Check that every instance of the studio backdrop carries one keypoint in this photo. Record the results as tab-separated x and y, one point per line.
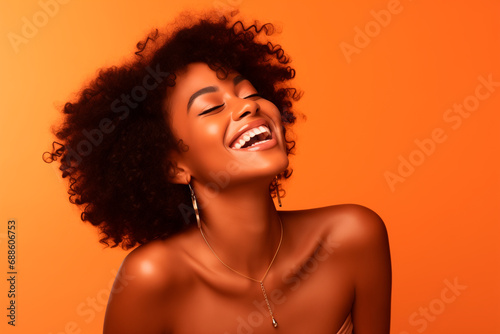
402	101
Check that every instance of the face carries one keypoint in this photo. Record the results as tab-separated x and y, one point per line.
232	133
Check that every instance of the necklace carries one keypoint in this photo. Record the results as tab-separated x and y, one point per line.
261	281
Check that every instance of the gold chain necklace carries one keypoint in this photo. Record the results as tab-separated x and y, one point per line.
274	322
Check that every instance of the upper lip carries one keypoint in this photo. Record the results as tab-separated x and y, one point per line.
248	126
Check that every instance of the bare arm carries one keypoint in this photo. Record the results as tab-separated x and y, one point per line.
371	265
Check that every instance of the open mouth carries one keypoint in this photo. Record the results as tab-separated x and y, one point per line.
253	137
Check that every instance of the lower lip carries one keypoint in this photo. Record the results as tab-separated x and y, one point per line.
259	147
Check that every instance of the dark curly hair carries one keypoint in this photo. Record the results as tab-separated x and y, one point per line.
115	137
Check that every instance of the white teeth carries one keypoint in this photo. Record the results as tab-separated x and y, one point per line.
250	134
239	144
260	142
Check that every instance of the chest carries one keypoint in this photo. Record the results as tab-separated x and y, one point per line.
307	293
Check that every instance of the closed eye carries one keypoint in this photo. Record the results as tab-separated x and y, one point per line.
211	109
219	106
253	95
222	105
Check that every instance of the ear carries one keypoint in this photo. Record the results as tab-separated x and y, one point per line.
177	172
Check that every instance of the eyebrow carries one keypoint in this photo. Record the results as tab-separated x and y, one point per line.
237	79
210	89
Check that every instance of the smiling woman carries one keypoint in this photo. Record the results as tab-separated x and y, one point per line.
188	170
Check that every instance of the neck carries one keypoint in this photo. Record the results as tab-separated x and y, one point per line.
241	225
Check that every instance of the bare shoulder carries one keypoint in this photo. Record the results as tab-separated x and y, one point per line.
154	264
361	225
361	235
350	224
142	289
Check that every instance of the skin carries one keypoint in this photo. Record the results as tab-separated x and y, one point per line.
333	261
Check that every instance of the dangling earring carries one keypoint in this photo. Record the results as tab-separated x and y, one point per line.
278	191
195	206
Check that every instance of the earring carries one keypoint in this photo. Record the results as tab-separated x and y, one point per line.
195	206
278	191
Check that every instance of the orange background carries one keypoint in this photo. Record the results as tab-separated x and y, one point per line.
443	220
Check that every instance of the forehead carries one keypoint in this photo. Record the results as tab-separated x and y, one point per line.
195	76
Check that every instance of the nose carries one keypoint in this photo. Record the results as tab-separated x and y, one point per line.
244	108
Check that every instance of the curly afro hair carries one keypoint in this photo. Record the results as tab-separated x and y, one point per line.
115	136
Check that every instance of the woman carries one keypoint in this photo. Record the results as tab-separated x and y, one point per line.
180	151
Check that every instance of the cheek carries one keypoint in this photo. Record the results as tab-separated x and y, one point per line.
208	135
213	130
272	110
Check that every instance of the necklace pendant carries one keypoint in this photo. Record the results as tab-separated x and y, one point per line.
274	322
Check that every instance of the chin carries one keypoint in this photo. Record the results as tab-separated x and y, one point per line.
286	163
279	166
